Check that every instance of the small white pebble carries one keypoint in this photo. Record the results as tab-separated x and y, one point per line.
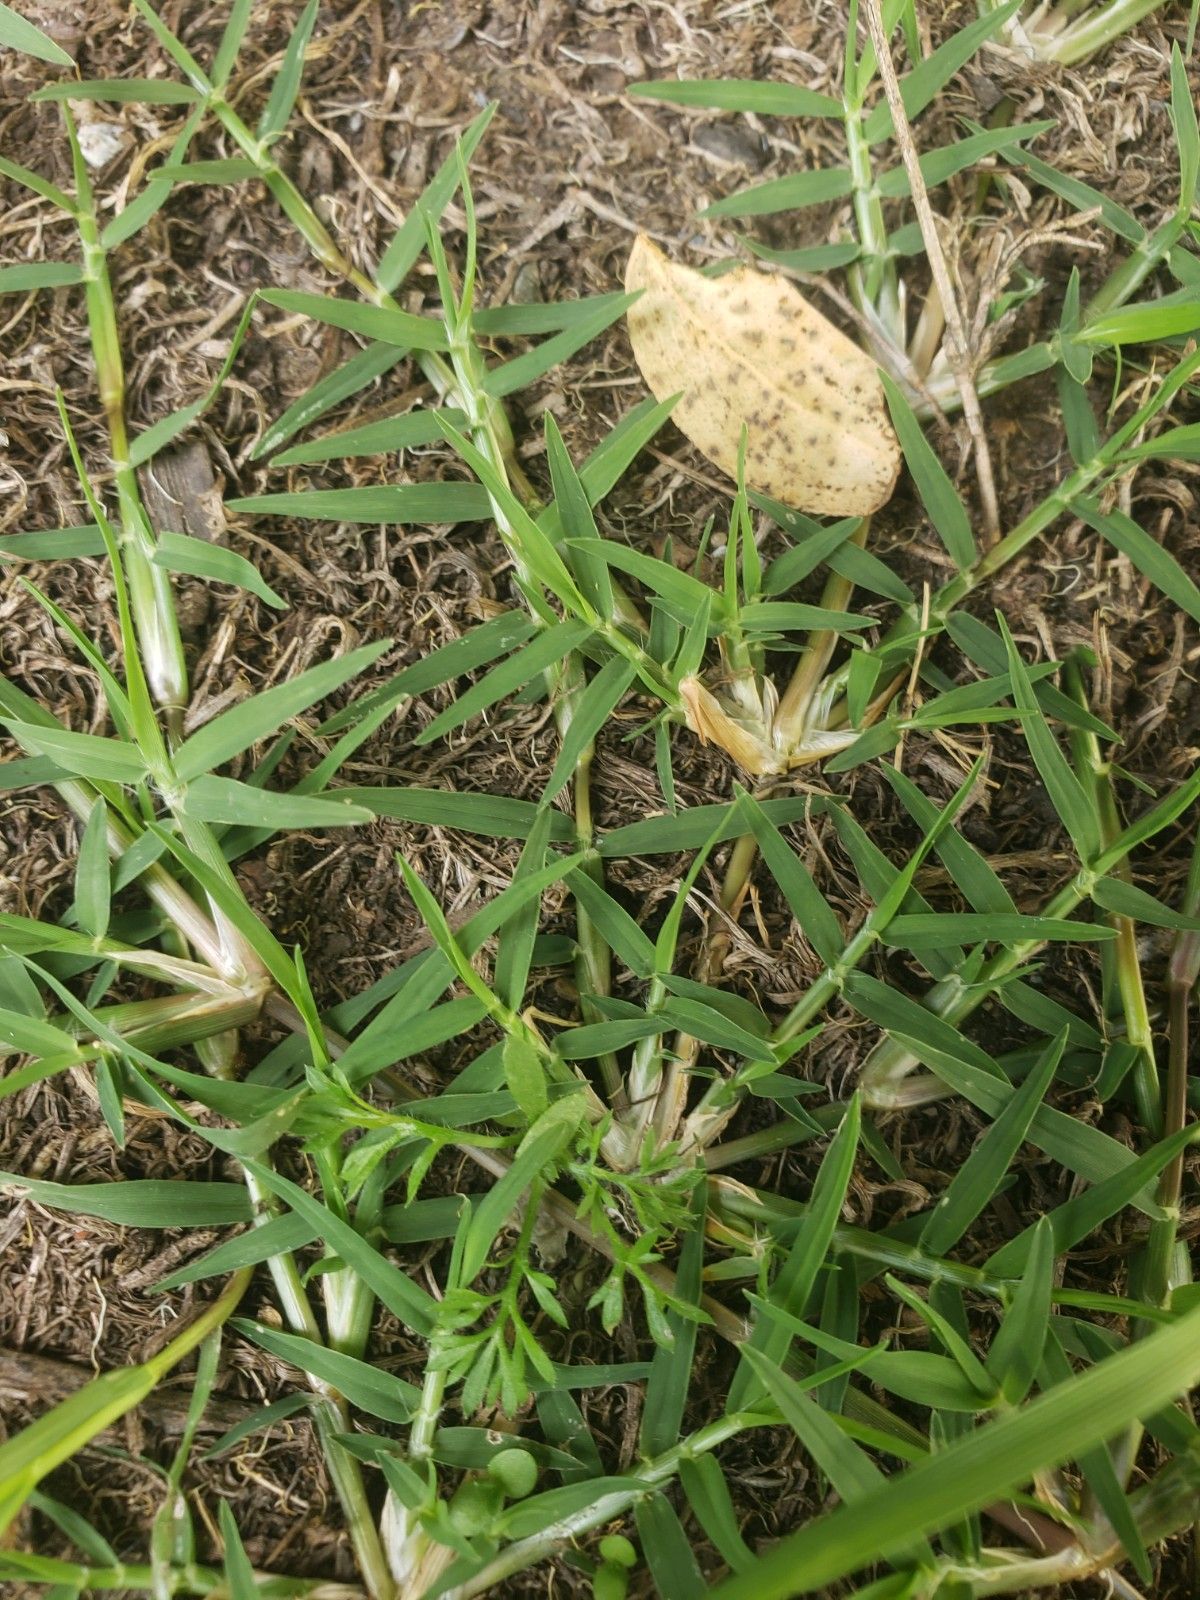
102	142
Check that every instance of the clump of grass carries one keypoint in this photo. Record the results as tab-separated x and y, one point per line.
1030	1399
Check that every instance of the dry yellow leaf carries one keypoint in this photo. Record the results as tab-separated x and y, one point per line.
747	348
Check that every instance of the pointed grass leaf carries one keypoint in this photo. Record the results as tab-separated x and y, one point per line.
371	438
137	91
938	166
1148	556
668	1550
16	33
39	275
276	1236
979	1178
373	1390
591	713
574	520
141	1202
945	510
239	1574
536	657
235	730
1067	795
920	87
818	435
476	648
54	544
1143	323
792	193
535	1156
409	241
1008	928
740	94
624	936
345	380
392	1287
234	169
1126	900
1081	196
213	799
669	1383
986	1465
1077	1145
525	1075
93	887
386	323
797	1275
1016	1352
39	185
708	1495
523	370
694	826
848	1467
1108	1194
494	816
607	464
287	80
388	503
177	552
514	950
971	873
88	755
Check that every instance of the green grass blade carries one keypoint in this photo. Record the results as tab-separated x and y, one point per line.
213	799
177	552
796	1277
287	80
386	323
18	34
988	1465
667	1549
538	656
793	193
1067	795
373	1390
919	87
477	648
39	275
523	370
1148	556
239	1574
938	495
1016	1352
740	94
371	439
236	730
388	503
590	714
410	238
345	380
122	91
978	1180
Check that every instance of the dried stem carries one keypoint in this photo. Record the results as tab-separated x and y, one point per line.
957	350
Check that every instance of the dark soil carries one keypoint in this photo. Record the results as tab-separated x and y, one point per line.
571	170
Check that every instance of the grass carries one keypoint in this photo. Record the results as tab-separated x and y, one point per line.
1033	1408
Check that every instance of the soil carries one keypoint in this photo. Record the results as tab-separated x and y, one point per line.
570	171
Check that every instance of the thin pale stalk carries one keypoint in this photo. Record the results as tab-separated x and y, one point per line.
1083	38
958	354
